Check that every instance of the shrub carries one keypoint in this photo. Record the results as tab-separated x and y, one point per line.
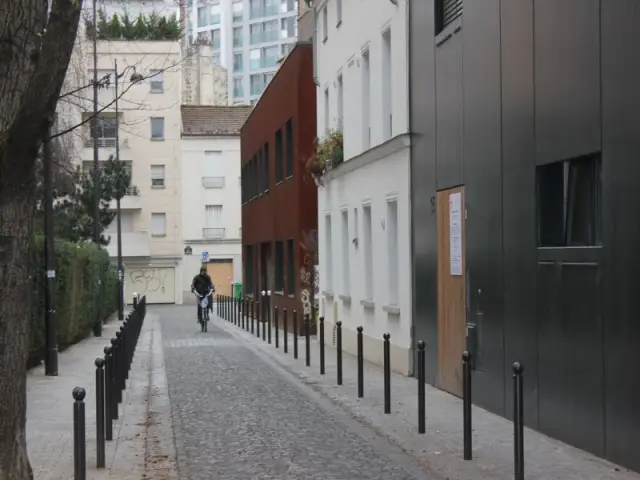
83	273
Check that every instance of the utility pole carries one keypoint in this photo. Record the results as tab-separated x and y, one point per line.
51	336
120	268
97	321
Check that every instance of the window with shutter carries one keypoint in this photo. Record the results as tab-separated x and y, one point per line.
157	176
158	224
446	12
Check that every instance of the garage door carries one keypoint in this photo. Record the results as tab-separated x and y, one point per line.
221	273
158	283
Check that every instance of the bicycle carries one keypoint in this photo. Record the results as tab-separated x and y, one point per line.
203	302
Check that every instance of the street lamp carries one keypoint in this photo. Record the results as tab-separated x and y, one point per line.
135	77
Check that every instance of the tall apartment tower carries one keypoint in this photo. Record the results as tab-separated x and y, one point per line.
248	38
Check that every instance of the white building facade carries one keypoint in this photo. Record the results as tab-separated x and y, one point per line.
211	194
248	38
364	226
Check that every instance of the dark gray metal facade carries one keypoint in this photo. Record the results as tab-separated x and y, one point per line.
505	88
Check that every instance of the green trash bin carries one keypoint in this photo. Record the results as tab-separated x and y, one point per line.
237	290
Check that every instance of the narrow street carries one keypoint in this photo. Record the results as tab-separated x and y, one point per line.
237	415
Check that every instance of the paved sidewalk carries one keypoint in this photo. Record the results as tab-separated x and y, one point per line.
439	450
142	446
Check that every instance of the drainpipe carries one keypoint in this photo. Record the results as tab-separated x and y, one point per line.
412	366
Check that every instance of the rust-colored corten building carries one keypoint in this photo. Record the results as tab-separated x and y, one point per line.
279	200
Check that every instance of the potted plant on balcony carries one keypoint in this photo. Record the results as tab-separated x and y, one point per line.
327	153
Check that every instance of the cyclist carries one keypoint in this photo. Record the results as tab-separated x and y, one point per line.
202	284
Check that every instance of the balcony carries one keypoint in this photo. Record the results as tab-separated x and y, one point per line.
213	182
105	142
213	233
131	200
263	37
134	244
267	11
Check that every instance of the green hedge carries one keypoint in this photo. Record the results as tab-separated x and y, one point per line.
82	273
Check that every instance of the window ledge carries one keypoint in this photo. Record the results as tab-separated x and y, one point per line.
346	299
291	295
157	139
249	295
279	293
328	294
391	309
339	23
366	303
325	40
156	91
158	234
158	187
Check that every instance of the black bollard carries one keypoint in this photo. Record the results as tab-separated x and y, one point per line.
217	297
421	386
307	339
115	381
243	311
126	346
387	373
518	422
295	334
113	387
339	351
466	404
79	443
269	316
276	325
135	301
100	453
263	314
253	319
360	364
321	345
123	361
107	395
285	335
258	319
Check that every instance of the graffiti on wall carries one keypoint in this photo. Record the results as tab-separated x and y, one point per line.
148	280
309	274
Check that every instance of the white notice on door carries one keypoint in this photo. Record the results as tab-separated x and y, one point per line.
455	233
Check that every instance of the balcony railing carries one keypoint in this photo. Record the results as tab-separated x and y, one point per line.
213	182
262	37
267	11
106	142
213	233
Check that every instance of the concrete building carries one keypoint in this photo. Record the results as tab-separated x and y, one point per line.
524	117
364	206
211	210
203	82
279	200
248	37
149	143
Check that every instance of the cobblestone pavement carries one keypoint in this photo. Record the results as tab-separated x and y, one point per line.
238	415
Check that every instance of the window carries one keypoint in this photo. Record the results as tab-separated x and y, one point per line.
126	224
255	33
326	110
214	17
265	157
213	222
288	6
215	58
203	15
105	130
213	175
366	97
288	27
215	38
257	84
325	24
157	176
392	251
279	270
340	103
368	253
338	13
270	57
355	225
286	48
255	59
237	62
289	147
271	30
387	120
291	269
329	253
446	12
238	87
279	159
569	202
158	224
237	11
248	269
237	37
346	280
157	128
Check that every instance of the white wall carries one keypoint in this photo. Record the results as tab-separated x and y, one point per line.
369	176
195	197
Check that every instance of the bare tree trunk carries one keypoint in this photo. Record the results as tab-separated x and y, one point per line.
16	214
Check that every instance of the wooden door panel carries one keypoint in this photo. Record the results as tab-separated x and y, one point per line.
221	274
451	298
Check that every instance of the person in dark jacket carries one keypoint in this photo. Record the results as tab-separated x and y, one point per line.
202	284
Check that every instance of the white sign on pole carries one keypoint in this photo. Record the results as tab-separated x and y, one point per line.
455	233
205	257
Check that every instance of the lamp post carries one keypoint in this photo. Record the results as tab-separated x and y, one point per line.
97	321
135	77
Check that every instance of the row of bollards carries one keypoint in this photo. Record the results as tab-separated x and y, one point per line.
236	309
112	372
